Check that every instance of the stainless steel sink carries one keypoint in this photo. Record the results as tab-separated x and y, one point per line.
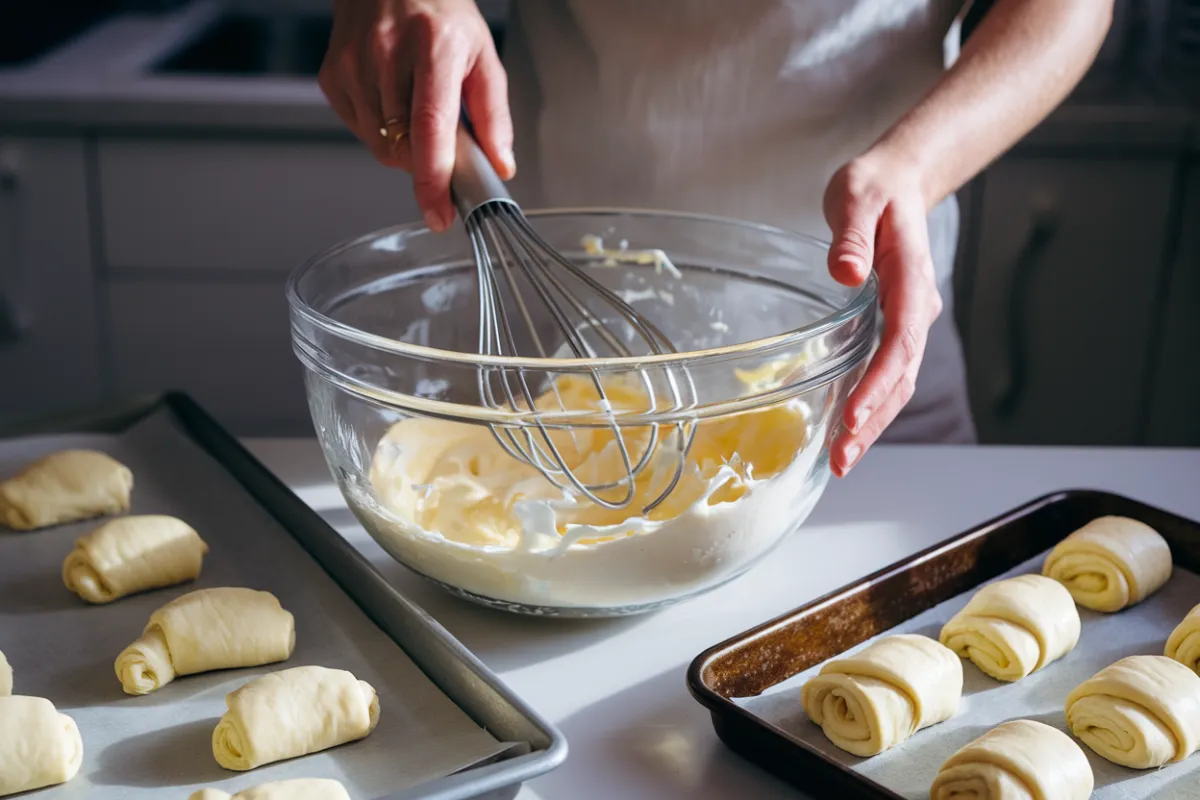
30	30
256	45
253	45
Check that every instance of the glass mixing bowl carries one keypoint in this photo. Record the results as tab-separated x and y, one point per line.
387	327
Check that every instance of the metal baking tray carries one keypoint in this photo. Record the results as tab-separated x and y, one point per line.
751	663
41	613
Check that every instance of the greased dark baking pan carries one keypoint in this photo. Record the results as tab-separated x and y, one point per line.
752	662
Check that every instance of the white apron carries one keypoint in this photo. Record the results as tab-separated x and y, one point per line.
739	108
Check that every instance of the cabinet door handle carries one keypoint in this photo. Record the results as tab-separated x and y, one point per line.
14	318
1043	231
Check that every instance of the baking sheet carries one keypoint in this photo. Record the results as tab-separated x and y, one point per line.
159	745
909	768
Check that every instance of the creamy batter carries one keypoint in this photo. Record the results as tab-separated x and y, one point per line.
448	500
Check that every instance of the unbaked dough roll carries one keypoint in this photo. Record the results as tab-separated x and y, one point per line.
292	713
1018	760
131	555
883	694
1139	712
1183	644
1110	563
205	630
65	487
5	677
1013	627
38	745
294	789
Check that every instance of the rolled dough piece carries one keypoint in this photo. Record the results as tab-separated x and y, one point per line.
5	677
295	789
133	554
205	630
1018	760
38	745
292	713
1139	712
1013	627
65	487
883	694
1183	644
1110	563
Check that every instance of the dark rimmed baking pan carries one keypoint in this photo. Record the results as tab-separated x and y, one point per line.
751	662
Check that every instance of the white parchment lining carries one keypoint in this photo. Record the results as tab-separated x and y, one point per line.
159	745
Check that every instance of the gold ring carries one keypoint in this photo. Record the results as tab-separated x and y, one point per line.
398	135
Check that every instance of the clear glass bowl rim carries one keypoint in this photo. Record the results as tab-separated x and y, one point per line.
862	301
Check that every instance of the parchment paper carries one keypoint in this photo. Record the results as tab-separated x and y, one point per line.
159	745
909	768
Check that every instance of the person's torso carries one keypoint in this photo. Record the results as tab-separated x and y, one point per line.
741	109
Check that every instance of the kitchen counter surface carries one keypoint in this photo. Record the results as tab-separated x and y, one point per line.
616	688
105	80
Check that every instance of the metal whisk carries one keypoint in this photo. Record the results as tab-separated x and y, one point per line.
509	252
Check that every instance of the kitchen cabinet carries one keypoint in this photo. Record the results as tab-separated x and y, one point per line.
226	344
199	236
138	264
49	336
240	204
1067	261
1173	416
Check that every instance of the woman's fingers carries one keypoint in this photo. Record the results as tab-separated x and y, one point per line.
890	378
436	106
848	449
485	91
910	303
347	83
339	101
395	98
853	208
337	72
398	73
368	109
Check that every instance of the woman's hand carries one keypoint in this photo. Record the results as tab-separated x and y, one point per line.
877	212
1024	58
398	72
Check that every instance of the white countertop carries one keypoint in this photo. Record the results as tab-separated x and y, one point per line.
616	688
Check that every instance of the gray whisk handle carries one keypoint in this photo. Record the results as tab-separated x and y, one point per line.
473	182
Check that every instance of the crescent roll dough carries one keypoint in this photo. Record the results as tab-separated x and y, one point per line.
38	745
1140	712
883	694
133	554
5	677
65	487
1018	760
1013	627
205	630
292	713
1183	644
1110	563
295	789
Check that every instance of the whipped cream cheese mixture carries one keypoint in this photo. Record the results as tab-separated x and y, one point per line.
447	499
450	501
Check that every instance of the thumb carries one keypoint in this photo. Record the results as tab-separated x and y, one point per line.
853	221
485	91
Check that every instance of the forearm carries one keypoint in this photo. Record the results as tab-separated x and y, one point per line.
1021	62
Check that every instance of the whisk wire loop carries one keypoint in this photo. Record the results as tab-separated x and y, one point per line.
509	254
